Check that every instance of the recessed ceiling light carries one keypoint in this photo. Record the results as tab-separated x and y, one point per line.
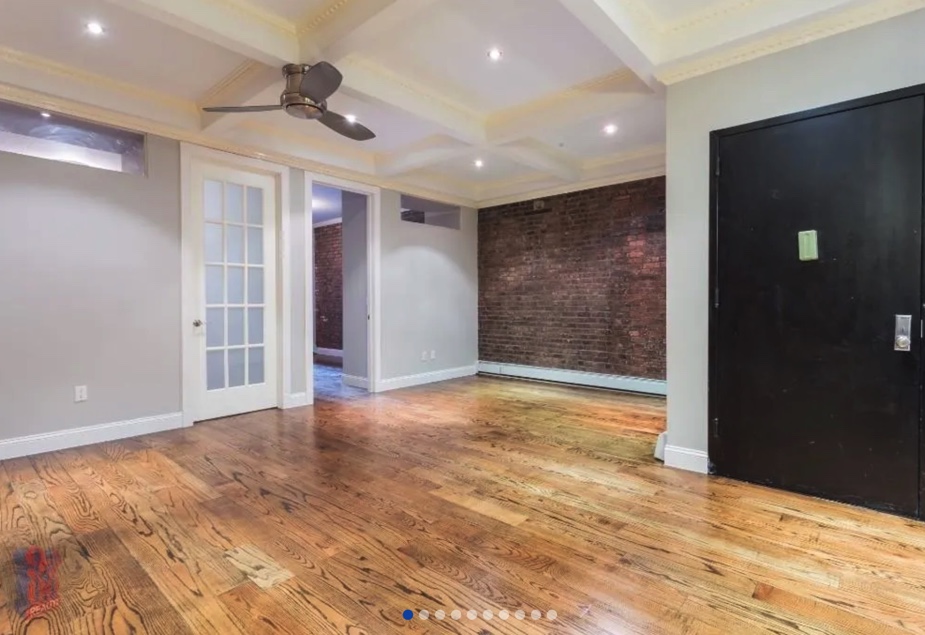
495	54
610	129
94	28
351	118
479	163
46	115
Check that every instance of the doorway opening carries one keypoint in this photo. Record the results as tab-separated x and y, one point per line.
340	269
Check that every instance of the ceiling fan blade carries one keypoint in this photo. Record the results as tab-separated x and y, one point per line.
320	82
341	125
243	108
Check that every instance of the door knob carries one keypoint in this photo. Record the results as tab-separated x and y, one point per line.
197	323
902	343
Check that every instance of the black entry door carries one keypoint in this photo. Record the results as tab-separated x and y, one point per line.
808	393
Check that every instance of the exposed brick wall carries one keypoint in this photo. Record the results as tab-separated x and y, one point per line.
329	287
578	285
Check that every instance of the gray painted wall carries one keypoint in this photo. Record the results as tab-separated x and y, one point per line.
90	280
867	61
429	293
300	308
356	274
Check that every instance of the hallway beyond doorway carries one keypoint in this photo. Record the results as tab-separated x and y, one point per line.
329	384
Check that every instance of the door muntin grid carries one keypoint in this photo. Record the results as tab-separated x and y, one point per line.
235	284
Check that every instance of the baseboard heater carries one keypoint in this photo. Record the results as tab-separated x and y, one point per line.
576	378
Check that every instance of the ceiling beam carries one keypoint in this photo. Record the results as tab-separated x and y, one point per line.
628	29
433	150
237	89
539	157
334	33
236	26
599	97
373	82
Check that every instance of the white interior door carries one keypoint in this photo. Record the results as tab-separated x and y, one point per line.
236	326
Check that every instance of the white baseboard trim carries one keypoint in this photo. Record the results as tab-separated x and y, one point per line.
577	378
296	400
426	378
329	352
660	444
356	382
687	459
64	439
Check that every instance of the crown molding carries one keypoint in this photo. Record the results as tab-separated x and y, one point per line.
147	126
611	169
818	29
577	186
254	12
416	88
310	143
655	151
315	20
36	64
709	14
240	74
623	80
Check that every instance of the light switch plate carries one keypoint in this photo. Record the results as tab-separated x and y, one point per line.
809	245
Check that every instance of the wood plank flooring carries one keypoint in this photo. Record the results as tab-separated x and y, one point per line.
472	495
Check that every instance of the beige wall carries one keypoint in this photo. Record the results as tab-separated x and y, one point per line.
89	292
871	60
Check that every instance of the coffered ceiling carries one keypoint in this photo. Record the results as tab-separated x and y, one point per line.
452	124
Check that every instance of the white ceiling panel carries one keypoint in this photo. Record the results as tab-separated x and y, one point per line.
133	49
545	50
394	129
494	168
636	128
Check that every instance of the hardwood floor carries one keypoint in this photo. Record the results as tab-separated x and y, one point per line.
478	494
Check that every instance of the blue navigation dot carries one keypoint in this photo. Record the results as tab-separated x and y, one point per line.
408	614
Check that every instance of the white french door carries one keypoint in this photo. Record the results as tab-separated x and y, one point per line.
232	239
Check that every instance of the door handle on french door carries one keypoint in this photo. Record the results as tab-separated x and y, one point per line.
902	337
197	323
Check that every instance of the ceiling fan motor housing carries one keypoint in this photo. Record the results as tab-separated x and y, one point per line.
292	99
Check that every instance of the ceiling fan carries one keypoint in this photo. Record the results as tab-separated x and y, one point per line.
308	87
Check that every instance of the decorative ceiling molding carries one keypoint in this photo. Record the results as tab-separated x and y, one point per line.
252	11
488	197
235	26
829	25
611	169
623	80
315	20
41	65
141	124
320	149
241	74
612	160
708	14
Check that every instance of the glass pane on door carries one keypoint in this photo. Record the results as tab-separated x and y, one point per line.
235	278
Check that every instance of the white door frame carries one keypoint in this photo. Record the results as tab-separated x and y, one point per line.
190	309
373	279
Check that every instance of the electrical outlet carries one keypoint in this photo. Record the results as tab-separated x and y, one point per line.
80	394
433	354
423	356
